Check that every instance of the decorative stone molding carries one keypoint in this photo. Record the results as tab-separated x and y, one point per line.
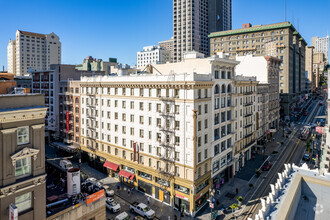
25	152
22	114
21	186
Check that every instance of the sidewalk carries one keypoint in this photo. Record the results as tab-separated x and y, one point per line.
162	210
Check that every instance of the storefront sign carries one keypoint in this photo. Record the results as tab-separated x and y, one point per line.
94	197
272	130
13	212
199	196
67	122
319	129
181	197
134	148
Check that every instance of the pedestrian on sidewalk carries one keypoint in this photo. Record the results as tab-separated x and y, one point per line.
128	191
148	199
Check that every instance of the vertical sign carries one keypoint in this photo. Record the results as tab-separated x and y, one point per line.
134	148
67	122
13	212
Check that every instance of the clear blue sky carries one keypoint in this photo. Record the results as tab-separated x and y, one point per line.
119	28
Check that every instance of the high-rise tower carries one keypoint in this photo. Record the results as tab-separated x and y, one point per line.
193	20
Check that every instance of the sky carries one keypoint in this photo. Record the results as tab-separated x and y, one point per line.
120	28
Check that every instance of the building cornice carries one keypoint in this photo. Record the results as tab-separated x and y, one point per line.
22	114
22	185
151	85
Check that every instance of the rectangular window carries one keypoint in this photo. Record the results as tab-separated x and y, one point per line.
24	202
23	135
23	167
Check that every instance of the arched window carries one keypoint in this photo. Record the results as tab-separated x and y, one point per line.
216	89
77	100
229	88
223	88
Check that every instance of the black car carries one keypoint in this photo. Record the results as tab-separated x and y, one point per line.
306	157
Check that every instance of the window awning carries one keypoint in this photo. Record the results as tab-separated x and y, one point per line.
111	166
126	174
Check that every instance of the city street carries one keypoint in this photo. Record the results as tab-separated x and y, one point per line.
291	152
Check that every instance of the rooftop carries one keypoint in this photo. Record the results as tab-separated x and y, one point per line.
299	193
33	34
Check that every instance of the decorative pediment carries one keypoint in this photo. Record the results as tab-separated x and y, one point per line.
25	152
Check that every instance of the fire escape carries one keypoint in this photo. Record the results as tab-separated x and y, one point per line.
91	123
168	144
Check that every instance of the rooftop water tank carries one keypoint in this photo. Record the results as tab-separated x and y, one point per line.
73	181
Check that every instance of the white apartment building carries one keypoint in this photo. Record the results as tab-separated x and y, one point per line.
321	45
193	20
266	70
167	132
32	51
152	55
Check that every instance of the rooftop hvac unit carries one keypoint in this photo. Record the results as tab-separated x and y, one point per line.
73	181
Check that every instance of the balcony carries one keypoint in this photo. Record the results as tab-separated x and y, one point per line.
90	105
248	125
248	93
167	145
248	104
248	115
166	99
248	135
249	144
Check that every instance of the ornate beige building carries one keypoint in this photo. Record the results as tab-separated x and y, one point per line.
280	40
22	156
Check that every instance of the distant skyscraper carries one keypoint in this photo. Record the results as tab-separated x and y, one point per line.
322	45
193	20
32	51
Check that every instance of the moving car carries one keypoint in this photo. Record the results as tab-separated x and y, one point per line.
320	103
306	113
112	205
306	157
143	210
267	165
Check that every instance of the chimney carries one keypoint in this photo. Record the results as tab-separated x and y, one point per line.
246	25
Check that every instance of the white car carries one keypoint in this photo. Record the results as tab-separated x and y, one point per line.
143	210
112	205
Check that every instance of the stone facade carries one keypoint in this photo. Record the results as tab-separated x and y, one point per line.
22	138
280	40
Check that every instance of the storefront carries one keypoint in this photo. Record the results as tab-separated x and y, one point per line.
145	187
112	169
127	175
163	195
222	177
200	200
182	203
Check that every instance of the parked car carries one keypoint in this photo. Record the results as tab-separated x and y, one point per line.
143	210
306	157
112	205
320	103
108	192
66	164
122	216
266	166
139	218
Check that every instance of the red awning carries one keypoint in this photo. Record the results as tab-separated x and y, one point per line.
110	165
126	174
132	177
